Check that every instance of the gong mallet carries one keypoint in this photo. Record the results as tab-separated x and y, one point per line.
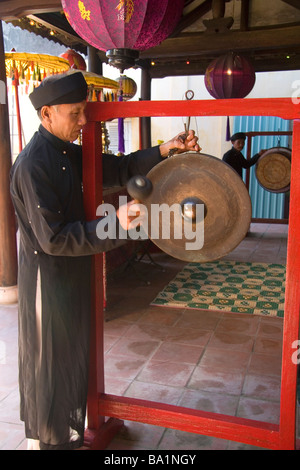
139	188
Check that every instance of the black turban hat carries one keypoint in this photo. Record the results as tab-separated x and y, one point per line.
59	89
237	136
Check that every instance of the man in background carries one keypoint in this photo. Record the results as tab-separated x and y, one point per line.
234	156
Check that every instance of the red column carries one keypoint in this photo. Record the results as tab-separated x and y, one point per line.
292	306
99	431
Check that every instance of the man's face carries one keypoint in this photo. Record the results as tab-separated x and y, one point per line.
238	144
67	120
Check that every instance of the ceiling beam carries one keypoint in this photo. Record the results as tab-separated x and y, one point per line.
268	64
293	3
190	18
14	9
242	41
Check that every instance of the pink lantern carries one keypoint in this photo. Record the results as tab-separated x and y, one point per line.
123	27
229	76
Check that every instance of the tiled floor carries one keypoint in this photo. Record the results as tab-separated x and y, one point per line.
219	362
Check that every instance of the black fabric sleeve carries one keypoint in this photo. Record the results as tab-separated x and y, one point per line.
251	162
46	217
118	170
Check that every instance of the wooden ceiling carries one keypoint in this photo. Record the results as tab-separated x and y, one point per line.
266	31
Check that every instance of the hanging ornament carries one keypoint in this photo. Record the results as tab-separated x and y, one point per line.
26	70
122	28
127	86
229	76
127	89
75	60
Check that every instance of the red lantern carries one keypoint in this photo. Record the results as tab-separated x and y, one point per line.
229	76
123	27
75	60
127	87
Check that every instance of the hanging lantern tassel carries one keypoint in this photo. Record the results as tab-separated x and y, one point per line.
121	146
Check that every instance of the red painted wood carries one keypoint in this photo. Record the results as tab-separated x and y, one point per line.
194	421
100	439
247	431
92	186
281	107
292	305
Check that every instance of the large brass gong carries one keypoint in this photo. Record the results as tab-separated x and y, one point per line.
193	178
273	170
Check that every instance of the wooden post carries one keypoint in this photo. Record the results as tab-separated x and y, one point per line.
292	307
145	121
8	248
94	62
99	432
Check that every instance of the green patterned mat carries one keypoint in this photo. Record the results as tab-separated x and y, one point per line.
231	286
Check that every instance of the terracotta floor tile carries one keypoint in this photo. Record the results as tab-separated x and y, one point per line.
161	316
136	348
10	407
166	373
236	323
233	341
272	328
144	332
9	376
116	327
191	336
265	345
176	352
11	436
212	380
199	319
147	436
179	440
265	364
210	402
108	342
122	367
154	392
240	446
264	387
115	385
225	359
259	410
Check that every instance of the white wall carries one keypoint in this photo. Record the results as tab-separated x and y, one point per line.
212	130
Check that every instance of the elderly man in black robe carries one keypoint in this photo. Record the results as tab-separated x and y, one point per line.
56	244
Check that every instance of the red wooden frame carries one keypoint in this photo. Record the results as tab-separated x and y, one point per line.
100	405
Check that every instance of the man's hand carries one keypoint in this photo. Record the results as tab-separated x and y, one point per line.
183	142
131	215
